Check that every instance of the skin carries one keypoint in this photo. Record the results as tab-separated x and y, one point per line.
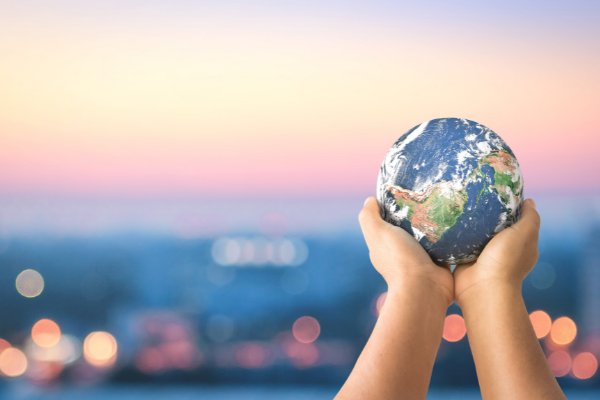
398	359
509	359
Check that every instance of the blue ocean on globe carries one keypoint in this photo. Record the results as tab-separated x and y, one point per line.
453	184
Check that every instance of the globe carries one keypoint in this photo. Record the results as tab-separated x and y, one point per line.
453	184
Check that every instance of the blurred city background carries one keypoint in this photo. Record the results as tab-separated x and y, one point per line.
180	183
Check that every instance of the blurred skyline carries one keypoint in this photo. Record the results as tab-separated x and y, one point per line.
278	100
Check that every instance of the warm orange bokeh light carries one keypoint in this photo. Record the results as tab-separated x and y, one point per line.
45	333
560	363
306	329
563	331
100	349
585	365
541	323
454	328
13	362
4	345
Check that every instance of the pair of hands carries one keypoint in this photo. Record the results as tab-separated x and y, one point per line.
401	260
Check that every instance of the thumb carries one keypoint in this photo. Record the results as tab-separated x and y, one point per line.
370	220
529	223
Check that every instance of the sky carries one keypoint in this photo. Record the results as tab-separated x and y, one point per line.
265	99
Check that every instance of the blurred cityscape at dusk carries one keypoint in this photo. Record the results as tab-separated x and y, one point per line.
277	302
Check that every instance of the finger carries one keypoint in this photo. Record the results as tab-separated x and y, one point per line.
378	232
530	219
370	220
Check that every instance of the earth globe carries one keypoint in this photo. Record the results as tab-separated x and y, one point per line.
453	184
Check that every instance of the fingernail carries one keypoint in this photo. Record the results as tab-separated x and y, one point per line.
367	200
532	202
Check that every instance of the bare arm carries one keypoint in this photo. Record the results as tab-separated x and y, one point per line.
509	359
398	359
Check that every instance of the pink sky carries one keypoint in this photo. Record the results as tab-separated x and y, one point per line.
270	108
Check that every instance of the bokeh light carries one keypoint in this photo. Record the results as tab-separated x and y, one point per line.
180	354
294	281
542	276
226	251
263	251
149	360
66	351
259	251
306	329
563	331
380	302
43	371
100	349
4	345
585	365
251	355
13	362
30	283
45	333
541	323
302	354
560	363
454	328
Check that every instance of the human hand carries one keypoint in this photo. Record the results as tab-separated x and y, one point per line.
399	258
507	258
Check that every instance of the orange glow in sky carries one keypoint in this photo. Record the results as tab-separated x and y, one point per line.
45	333
563	331
454	328
541	323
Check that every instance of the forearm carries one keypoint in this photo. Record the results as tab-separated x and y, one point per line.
509	359
398	359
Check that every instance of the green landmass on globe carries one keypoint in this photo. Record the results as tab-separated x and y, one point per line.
439	207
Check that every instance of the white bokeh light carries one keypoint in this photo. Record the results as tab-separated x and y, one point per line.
226	251
259	252
30	283
66	351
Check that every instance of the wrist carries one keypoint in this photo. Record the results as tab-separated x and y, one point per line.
420	288
489	290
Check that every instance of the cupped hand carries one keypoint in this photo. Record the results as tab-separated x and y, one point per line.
398	257
507	258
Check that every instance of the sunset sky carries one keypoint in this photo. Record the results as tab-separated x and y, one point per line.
280	99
